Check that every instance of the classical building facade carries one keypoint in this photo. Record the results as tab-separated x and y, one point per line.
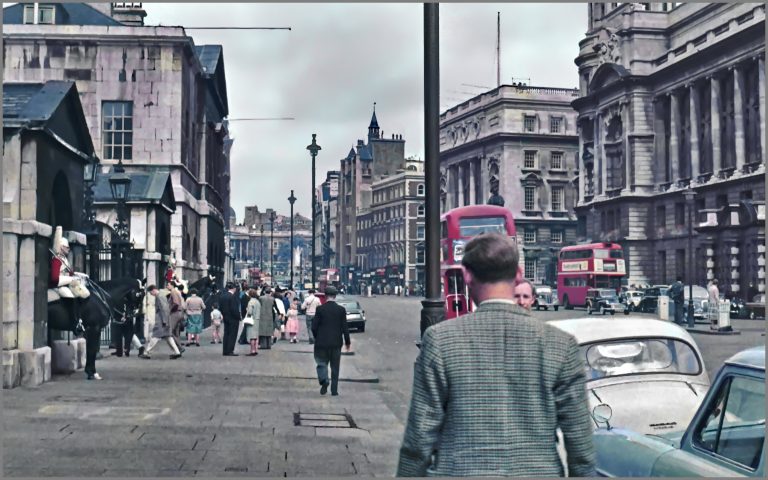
391	232
672	104
365	163
524	139
329	198
153	100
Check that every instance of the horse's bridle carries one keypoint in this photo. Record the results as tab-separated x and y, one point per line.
115	315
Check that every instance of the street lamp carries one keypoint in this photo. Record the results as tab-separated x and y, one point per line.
120	184
272	246
313	149
432	306
291	199
89	215
690	194
261	252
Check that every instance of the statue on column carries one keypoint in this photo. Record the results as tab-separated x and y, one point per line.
495	198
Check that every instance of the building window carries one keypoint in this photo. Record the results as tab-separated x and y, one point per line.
117	130
46	14
530	198
556	236
529	160
661	217
557	199
420	210
529	123
530	268
557	160
680	214
555	124
420	256
420	190
29	14
420	232
529	237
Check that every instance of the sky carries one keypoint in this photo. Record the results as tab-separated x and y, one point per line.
338	59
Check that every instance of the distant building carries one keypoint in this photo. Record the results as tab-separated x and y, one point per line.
522	140
672	100
329	204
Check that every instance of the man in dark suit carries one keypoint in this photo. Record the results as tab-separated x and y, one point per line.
491	388
328	326
230	310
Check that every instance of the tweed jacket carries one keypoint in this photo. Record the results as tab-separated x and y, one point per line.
489	391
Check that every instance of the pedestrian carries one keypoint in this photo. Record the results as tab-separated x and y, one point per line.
328	327
242	295
713	299
676	294
279	318
292	324
216	319
230	310
176	303
267	319
494	410
310	307
286	306
525	294
162	324
194	308
251	321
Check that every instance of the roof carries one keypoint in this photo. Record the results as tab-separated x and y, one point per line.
476	211
351	153
594	329
27	102
753	357
587	246
146	186
209	57
365	153
374	121
66	14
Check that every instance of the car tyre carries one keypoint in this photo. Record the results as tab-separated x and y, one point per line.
613	313
361	329
556	308
602	311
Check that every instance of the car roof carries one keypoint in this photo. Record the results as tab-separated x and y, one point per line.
593	329
752	357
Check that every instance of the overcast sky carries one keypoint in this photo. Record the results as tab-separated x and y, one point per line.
340	58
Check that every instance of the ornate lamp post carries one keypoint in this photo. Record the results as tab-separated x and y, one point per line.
432	306
120	184
690	195
261	251
272	246
313	149
291	200
89	216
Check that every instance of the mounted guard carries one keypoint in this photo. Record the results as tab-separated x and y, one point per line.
64	280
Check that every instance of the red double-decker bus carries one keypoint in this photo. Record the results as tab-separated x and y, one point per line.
457	227
593	265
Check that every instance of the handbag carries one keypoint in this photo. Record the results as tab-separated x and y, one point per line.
248	320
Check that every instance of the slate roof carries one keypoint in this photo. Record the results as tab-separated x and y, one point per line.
146	186
66	14
209	57
365	153
351	153
27	102
374	121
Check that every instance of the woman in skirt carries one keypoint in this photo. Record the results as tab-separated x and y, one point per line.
253	312
292	325
194	309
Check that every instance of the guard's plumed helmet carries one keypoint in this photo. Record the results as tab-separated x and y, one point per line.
59	240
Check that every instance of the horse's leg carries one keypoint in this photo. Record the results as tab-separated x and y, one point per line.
92	344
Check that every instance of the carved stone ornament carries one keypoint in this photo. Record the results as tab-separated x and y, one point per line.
607	47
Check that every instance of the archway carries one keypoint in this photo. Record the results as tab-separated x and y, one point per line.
60	206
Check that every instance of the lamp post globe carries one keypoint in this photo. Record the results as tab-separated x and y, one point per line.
313	149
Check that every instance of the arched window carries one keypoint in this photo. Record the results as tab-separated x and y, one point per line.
420	190
420	210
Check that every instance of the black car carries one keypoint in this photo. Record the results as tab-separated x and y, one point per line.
355	312
603	300
650	301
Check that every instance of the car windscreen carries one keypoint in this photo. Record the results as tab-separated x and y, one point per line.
350	305
608	294
640	356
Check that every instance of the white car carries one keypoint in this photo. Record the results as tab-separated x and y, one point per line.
633	298
650	372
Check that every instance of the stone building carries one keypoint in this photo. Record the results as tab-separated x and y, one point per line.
523	138
365	163
152	98
46	147
391	232
329	205
672	101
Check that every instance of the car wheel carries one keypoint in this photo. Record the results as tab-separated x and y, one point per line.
556	308
538	307
361	329
602	311
613	313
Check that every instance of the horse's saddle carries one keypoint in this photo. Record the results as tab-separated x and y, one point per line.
74	290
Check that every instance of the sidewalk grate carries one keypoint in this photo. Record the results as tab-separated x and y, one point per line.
236	469
324	420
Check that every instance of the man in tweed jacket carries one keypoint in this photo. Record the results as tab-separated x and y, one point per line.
491	388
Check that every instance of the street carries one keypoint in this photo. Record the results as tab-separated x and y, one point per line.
208	415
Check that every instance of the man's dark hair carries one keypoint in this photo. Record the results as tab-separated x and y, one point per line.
679	279
193	291
230	286
151	287
311	290
491	258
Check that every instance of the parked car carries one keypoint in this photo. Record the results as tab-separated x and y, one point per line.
603	300
700	302
725	437
756	308
545	298
632	299
355	312
648	371
650	301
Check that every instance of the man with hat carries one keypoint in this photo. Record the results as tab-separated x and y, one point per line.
230	309
328	327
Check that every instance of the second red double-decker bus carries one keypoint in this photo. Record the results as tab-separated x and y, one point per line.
593	265
457	227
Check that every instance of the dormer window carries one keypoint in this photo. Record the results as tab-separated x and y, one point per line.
37	14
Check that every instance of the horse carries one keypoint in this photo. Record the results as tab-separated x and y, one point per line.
113	300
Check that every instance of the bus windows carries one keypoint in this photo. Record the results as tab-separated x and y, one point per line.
455	280
470	227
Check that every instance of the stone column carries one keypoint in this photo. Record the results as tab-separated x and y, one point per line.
601	174
659	165
760	266
717	155
473	200
738	117
628	171
761	102
694	119
674	139
733	252
709	250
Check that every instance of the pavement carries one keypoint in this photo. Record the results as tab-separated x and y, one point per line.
203	415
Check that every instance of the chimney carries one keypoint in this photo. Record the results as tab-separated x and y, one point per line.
129	13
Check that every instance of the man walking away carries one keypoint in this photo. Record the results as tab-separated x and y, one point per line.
267	319
491	388
328	326
230	309
310	306
176	303
162	324
677	293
